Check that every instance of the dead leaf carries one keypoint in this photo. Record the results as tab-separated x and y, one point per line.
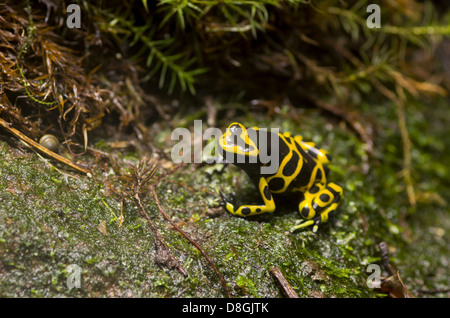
394	287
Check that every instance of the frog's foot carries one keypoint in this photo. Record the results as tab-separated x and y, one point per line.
319	205
244	210
227	203
253	209
315	222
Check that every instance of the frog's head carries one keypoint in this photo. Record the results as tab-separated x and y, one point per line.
238	142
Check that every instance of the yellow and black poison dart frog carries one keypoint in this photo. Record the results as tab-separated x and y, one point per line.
302	168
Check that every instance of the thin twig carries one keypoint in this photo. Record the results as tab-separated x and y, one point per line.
187	237
142	176
385	258
34	144
159	240
406	146
400	102
144	173
286	288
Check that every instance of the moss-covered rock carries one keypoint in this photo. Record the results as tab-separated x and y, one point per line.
50	220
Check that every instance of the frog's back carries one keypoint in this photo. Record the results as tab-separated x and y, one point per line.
297	168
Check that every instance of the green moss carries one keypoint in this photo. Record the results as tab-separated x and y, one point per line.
49	221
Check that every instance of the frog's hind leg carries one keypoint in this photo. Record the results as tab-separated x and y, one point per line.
247	210
319	205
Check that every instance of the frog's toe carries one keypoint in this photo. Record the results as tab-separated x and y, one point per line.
226	199
302	225
223	197
227	203
315	222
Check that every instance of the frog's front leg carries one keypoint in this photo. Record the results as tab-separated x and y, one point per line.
319	204
246	210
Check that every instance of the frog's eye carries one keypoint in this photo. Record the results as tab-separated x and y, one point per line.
236	140
235	129
248	148
235	136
